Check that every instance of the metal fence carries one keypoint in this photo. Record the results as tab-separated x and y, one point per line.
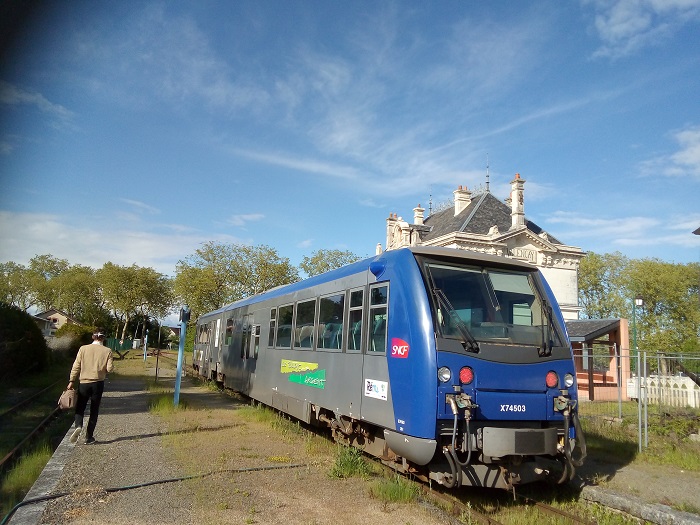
634	392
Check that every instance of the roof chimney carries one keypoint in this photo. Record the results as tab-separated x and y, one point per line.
517	209
418	215
463	198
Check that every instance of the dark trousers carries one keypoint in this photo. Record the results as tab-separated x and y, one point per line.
89	392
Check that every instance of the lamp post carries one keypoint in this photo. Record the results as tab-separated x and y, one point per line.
638	302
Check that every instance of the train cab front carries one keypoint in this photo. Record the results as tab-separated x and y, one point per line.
502	437
507	399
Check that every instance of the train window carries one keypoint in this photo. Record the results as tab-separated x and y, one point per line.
491	305
284	326
330	322
304	326
256	341
378	318
229	332
271	336
354	337
203	334
245	337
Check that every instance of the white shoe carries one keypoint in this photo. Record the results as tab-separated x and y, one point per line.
76	433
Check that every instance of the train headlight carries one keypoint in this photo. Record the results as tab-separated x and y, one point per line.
568	380
466	375
444	374
552	379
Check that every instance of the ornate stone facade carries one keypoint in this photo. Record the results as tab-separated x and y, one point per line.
482	223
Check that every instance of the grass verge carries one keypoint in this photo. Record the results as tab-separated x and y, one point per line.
22	475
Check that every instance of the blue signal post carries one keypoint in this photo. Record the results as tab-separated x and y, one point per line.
184	318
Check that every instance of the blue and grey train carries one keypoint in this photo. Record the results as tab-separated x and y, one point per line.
449	365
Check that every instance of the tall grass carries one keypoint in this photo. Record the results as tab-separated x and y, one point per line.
396	489
22	476
163	404
349	462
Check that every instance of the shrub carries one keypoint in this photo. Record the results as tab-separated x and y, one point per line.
22	346
70	337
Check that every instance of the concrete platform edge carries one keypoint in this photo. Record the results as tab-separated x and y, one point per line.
46	483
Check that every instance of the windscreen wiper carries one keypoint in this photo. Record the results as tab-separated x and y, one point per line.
546	349
470	344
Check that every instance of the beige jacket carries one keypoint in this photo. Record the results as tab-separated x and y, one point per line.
92	363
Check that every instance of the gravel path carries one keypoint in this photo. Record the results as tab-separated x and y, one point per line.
125	429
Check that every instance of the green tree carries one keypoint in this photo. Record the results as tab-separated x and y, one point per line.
601	285
322	261
16	285
669	320
44	269
218	274
131	290
79	293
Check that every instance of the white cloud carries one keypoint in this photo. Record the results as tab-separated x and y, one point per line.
684	162
307	243
141	206
584	226
24	235
242	220
167	58
305	165
12	95
626	232
627	26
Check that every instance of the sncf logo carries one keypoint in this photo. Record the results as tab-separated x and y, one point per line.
399	348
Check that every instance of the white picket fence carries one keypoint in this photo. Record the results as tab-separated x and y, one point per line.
676	391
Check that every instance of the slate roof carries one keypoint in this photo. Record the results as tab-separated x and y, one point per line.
483	212
585	330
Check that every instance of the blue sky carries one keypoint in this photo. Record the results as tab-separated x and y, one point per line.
133	132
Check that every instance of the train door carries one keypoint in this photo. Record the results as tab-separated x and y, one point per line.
215	367
376	394
205	349
254	346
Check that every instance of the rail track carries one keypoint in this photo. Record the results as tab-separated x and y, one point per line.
461	506
28	416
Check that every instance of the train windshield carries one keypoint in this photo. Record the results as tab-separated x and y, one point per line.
492	306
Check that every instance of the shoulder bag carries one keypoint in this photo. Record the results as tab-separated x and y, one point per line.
68	399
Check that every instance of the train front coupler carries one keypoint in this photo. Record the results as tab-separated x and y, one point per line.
459	402
568	408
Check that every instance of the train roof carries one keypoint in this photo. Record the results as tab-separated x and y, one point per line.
364	265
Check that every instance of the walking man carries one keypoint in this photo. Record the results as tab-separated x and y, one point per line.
91	366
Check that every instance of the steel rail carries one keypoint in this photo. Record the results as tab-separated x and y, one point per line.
457	508
27	400
549	509
31	434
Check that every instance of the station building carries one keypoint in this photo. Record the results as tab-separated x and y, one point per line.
481	222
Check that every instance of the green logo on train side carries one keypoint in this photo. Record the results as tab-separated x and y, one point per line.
315	379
